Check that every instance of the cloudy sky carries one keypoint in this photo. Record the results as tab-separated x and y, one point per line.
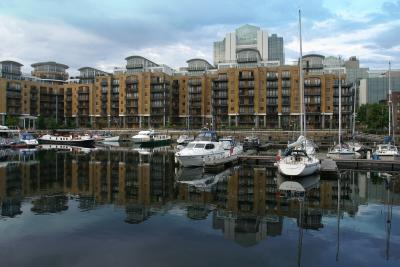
102	33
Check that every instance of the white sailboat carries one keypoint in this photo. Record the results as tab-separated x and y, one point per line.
341	150
388	151
296	162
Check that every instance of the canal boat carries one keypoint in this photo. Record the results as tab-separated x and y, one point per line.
296	162
71	140
389	150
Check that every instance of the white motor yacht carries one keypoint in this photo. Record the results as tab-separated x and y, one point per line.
142	136
196	152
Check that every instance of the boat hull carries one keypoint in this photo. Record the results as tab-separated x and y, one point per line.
153	143
338	155
194	160
298	169
111	139
81	143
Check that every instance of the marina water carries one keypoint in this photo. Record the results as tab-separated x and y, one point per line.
123	207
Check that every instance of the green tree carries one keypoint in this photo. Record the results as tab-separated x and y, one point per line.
12	120
373	117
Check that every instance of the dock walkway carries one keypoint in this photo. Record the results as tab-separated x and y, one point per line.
328	165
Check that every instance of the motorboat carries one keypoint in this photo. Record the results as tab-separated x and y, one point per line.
205	146
343	151
9	137
298	163
110	138
232	151
184	139
142	136
28	139
196	152
151	138
71	140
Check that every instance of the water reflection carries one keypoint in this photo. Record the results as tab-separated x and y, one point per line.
243	203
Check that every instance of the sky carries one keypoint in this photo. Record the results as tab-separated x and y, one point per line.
102	34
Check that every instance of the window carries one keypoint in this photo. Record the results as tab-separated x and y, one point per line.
210	146
199	146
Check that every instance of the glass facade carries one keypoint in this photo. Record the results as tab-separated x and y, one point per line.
378	88
246	35
275	49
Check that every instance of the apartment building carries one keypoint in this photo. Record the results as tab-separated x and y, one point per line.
147	94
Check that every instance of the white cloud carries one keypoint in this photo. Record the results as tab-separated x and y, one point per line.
357	42
175	55
29	42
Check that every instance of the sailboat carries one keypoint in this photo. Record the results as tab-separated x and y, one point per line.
388	151
341	150
296	162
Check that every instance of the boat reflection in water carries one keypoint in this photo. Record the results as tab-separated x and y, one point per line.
242	204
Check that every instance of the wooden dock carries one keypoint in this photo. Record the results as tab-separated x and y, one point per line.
328	165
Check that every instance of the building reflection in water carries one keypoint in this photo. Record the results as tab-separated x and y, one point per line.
244	202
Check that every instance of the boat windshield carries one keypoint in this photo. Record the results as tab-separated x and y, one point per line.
207	136
27	137
190	145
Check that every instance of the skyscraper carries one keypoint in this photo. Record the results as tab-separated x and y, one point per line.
275	49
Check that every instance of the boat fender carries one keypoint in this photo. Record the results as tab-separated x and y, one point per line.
277	157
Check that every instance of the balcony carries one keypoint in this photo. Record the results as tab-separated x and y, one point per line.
222	78
272	76
131	81
245	77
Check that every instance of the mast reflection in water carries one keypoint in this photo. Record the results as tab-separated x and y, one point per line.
127	207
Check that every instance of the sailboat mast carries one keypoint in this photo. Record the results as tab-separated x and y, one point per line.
354	108
301	81
390	102
340	105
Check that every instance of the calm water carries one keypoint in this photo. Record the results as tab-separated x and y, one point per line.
125	208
